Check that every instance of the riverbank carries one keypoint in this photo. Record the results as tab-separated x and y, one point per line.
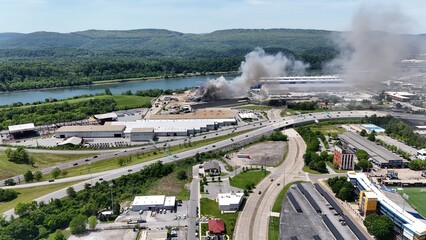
176	76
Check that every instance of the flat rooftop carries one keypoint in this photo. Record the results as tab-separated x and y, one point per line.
21	127
149	200
169	125
226	199
92	128
210	113
377	152
413	223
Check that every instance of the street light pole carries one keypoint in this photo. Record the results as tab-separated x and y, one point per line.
112	200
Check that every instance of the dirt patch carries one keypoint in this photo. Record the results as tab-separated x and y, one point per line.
403	174
267	153
119	234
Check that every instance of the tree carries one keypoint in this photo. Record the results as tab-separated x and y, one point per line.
181	175
417	164
56	172
364	165
71	192
382	228
9	182
38	176
372	136
363	133
78	224
120	161
346	194
361	154
28	176
108	91
92	222
7	195
57	235
22	228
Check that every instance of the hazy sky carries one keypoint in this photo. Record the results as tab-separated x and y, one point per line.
192	16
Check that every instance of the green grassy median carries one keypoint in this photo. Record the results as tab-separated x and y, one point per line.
113	163
31	193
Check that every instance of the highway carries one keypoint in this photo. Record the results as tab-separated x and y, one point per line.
107	154
265	128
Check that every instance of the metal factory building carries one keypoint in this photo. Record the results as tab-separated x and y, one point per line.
378	154
153	202
91	131
174	127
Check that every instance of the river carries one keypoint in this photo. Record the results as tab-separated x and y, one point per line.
116	88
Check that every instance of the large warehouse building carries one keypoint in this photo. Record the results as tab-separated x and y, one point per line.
91	131
156	126
378	155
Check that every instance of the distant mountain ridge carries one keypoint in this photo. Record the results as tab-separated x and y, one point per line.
166	42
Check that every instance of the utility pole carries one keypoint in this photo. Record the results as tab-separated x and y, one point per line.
112	200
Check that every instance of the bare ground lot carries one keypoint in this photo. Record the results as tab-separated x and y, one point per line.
267	153
403	174
119	234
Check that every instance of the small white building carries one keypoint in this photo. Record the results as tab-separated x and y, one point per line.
421	154
248	115
229	202
153	202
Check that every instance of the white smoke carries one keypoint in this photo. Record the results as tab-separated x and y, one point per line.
374	45
257	64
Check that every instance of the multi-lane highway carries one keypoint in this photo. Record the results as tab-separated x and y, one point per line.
264	128
107	154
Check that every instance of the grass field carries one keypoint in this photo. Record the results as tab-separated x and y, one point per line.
29	194
274	228
331	165
123	101
255	107
42	160
326	128
171	185
246	178
112	163
417	198
289	112
210	208
280	198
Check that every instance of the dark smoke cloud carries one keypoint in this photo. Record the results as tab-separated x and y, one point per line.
257	64
373	46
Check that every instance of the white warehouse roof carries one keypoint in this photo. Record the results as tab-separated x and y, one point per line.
149	200
21	127
226	199
112	115
166	125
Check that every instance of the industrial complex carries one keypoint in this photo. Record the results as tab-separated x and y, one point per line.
372	200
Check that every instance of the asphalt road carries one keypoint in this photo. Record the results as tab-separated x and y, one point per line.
266	127
107	154
252	223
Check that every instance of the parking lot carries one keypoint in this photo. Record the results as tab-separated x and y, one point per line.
159	220
268	153
308	222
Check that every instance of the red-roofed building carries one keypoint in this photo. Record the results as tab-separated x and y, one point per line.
216	226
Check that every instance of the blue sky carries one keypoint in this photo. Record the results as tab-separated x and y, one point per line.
193	16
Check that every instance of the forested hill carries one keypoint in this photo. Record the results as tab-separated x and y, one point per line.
157	42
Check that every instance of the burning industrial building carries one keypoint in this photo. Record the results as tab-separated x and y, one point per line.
257	64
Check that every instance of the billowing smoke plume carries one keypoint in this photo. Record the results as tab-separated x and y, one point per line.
257	64
373	46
